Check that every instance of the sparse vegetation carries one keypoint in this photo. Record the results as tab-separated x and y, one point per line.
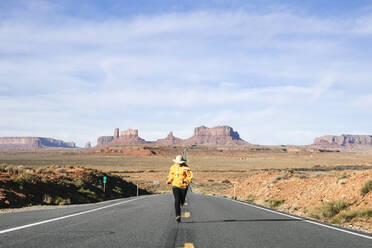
250	198
215	170
280	177
366	188
58	188
3	167
347	216
61	170
274	203
62	201
344	175
330	209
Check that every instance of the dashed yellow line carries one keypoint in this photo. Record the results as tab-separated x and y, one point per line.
189	245
186	214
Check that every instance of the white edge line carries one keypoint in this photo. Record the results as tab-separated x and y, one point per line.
64	217
309	221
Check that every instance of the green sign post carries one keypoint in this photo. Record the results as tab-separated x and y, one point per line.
104	183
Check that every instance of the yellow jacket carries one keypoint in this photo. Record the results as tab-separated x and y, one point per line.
180	175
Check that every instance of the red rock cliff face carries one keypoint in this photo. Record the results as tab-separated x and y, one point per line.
20	143
170	140
344	140
127	137
104	140
221	135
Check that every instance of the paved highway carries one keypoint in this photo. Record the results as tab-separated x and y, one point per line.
149	221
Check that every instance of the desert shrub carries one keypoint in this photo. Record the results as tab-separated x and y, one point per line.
315	213
343	176
40	170
47	199
226	181
44	179
301	175
10	170
280	177
274	203
78	182
330	209
250	198
87	192
61	201
30	178
61	170
20	169
3	167
319	174
349	215
24	178
366	188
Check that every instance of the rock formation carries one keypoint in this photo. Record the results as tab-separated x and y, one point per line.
221	135
88	145
127	137
169	140
345	140
24	143
104	140
116	133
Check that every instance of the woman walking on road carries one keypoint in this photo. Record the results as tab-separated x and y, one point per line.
180	176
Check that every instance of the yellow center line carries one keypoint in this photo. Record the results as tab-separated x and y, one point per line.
189	245
186	214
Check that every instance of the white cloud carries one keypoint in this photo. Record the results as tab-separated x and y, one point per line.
247	70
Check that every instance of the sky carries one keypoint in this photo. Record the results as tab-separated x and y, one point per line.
278	72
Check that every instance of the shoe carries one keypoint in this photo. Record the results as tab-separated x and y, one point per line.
178	219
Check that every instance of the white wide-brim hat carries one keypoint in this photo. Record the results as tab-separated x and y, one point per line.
179	160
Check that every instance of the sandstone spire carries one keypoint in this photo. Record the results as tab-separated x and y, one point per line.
116	133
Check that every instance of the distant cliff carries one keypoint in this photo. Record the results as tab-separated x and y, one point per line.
345	140
127	137
170	140
20	143
221	135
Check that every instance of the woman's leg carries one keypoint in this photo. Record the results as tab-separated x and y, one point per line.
177	200
183	196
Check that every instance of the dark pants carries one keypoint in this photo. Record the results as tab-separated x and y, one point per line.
179	198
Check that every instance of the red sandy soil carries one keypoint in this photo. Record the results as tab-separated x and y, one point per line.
303	192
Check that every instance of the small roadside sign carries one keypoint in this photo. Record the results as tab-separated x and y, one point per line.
104	183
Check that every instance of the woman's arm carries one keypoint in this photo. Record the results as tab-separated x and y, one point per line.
170	176
188	176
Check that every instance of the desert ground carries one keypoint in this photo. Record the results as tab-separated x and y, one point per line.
316	183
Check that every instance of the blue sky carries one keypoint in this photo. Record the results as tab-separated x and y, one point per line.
278	72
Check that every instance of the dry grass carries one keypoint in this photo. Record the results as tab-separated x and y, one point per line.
328	209
207	163
274	203
366	188
347	216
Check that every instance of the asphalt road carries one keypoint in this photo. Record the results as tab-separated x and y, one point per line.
150	222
